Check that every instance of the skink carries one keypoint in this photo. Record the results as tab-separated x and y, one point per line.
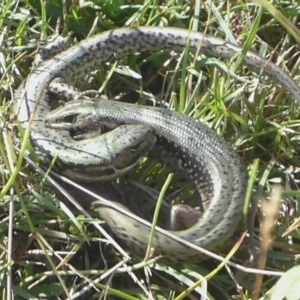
220	165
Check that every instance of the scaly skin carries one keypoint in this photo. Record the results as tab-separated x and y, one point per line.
227	184
189	146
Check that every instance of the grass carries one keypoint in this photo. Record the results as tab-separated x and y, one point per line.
49	249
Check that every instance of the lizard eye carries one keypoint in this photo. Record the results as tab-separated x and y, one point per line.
71	119
135	148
